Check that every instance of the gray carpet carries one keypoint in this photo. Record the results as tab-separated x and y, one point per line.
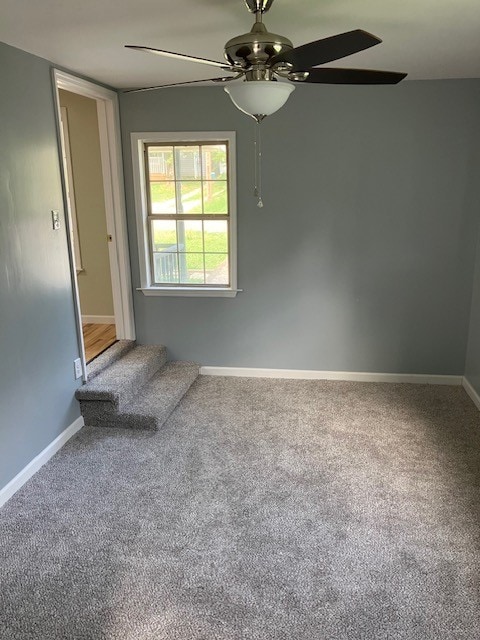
261	510
105	359
133	387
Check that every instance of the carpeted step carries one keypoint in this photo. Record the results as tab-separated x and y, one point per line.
108	357
123	379
155	402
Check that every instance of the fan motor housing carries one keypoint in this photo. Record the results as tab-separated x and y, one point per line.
255	47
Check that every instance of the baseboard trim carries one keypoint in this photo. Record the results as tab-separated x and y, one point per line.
354	376
44	456
471	392
98	319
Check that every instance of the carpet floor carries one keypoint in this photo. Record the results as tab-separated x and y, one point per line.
263	510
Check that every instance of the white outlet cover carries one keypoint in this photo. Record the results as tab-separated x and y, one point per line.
55	220
77	367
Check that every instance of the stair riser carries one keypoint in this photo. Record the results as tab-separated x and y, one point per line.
93	412
126	422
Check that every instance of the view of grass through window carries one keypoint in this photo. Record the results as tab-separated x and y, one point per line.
188	214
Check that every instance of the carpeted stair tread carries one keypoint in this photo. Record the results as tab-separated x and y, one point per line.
156	401
108	357
121	380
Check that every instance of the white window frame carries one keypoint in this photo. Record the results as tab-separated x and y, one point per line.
141	207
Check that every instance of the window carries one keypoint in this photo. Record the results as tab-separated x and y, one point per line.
185	198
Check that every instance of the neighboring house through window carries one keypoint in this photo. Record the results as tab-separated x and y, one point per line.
186	222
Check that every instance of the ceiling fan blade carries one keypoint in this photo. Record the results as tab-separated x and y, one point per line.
179	56
176	84
330	75
327	49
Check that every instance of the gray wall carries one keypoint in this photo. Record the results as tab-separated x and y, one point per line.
362	258
37	329
472	365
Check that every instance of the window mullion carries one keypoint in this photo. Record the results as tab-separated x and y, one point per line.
188	216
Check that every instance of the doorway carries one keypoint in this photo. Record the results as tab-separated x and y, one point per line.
89	142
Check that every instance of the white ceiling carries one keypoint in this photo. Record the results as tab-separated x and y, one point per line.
426	38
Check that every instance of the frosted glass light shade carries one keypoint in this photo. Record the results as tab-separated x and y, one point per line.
259	97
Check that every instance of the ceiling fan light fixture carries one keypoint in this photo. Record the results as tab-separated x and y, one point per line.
259	98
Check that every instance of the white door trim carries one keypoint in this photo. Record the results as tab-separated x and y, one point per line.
67	158
112	168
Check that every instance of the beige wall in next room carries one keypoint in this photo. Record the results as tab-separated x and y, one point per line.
94	280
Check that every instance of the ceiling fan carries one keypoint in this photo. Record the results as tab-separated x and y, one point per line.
262	58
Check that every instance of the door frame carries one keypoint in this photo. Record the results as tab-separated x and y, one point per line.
114	195
67	157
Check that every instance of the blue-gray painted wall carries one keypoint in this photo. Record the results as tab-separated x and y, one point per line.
37	327
362	258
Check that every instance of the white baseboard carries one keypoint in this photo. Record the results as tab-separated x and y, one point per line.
354	376
44	456
98	319
471	392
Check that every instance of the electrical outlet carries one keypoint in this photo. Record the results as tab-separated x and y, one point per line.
77	367
55	220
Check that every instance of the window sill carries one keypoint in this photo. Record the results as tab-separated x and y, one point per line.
189	292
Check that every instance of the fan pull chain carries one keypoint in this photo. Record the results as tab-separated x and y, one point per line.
258	164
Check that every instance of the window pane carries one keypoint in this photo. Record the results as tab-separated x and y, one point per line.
164	235
216	236
215	197
160	163
162	196
214	161
190	236
216	268
191	268
165	267
191	197
187	163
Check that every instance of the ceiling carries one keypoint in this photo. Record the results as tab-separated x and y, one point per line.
426	38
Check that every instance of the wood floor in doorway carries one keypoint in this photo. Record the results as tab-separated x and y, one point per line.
97	338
